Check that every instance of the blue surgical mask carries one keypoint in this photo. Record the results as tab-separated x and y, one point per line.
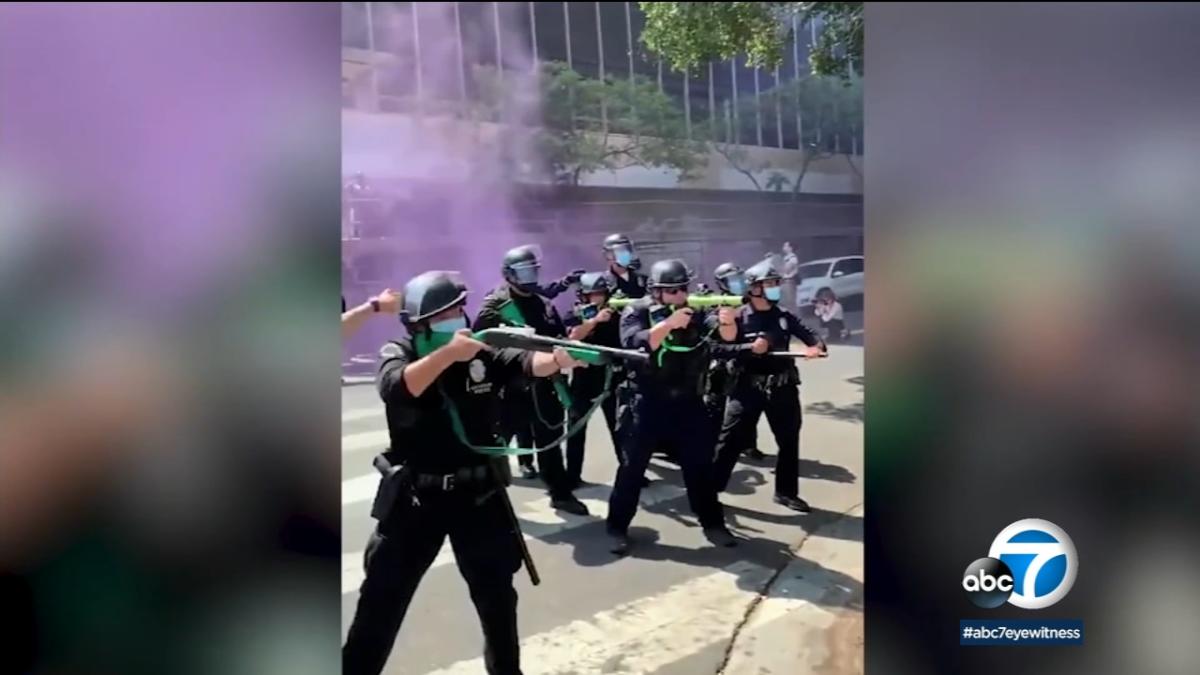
449	325
773	293
623	257
736	286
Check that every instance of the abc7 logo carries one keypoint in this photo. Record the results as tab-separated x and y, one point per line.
988	582
1045	560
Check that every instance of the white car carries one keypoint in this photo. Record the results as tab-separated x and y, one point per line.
844	276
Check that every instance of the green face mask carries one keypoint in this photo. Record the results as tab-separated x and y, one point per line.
428	342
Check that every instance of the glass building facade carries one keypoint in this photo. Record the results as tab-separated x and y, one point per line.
432	49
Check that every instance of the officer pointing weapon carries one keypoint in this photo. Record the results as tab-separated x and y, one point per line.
594	322
439	392
730	280
536	411
669	392
766	384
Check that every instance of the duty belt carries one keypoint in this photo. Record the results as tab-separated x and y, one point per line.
474	476
763	381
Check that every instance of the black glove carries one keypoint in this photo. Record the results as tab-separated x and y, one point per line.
573	277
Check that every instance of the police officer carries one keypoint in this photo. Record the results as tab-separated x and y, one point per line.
623	276
535	414
766	384
730	280
595	323
668	394
439	392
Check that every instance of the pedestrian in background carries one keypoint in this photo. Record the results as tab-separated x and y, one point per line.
791	267
831	315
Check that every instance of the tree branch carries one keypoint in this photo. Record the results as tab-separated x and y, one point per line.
724	151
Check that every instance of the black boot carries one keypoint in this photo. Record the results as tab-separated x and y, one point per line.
569	504
720	536
793	503
618	543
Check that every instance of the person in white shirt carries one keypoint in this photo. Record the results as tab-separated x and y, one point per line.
791	267
833	320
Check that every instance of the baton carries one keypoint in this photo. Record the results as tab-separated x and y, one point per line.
534	577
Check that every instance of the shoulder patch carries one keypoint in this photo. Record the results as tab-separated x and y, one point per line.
391	350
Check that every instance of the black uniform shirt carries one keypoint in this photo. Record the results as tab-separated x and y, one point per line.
605	334
420	427
634	287
778	326
535	313
675	370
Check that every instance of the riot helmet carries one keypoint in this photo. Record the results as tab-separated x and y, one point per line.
429	294
730	279
618	249
764	278
521	267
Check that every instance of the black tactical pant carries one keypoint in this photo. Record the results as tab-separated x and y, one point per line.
656	420
782	406
515	426
488	556
536	418
587	384
719	386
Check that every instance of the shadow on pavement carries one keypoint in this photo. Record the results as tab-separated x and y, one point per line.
848	413
809	522
745	482
747	560
817	470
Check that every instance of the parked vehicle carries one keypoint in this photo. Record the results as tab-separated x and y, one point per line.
844	276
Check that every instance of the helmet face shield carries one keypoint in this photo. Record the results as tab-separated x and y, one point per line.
736	283
623	254
524	270
525	274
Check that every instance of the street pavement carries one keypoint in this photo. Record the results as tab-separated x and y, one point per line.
788	599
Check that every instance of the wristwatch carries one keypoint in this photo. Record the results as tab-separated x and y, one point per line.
375	305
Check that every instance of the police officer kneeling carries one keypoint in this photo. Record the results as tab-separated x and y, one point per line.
769	384
439	391
667	403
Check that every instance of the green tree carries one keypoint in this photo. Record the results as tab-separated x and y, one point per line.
583	125
829	113
689	34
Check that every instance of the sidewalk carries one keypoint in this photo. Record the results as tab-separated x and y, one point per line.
810	617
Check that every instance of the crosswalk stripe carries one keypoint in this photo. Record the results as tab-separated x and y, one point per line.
365	440
538	520
646	634
362	414
360	489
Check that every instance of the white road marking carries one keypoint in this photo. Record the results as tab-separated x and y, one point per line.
362	414
365	440
643	635
360	489
538	520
